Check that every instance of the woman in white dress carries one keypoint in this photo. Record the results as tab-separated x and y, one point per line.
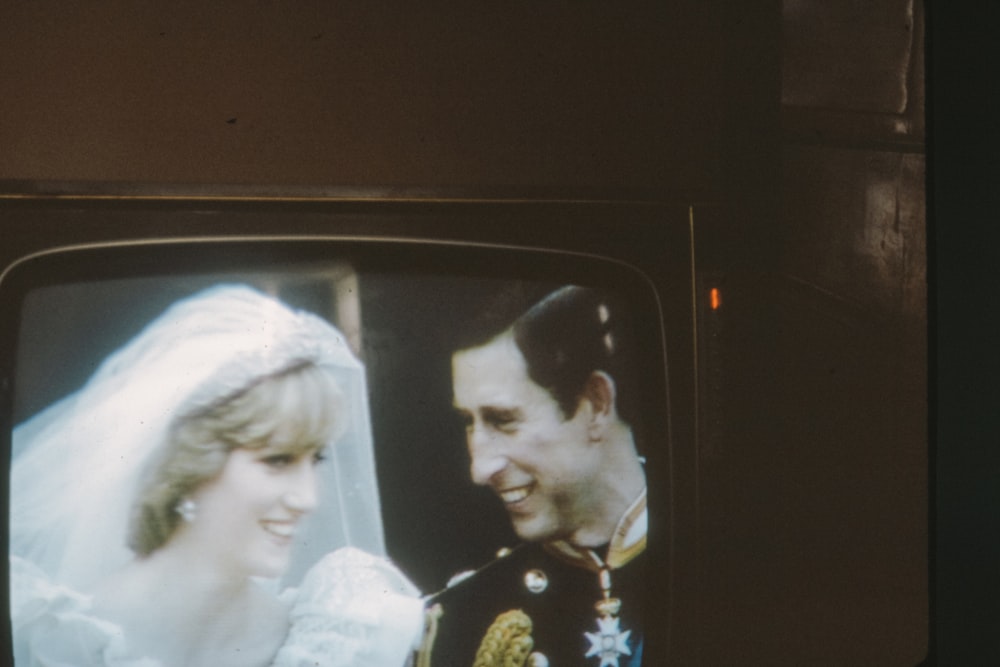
208	498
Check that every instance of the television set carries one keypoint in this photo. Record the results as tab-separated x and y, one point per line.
400	275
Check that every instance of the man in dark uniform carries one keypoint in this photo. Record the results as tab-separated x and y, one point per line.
547	405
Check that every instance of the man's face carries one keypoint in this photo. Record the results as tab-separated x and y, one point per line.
542	466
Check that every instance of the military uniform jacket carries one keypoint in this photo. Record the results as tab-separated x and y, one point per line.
535	606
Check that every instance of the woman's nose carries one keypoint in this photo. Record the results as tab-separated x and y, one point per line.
302	494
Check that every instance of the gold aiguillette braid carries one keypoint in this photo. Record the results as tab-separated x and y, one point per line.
508	641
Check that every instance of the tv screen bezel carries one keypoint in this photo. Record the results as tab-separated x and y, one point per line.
63	235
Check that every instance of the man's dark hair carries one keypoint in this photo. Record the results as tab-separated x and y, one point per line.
565	336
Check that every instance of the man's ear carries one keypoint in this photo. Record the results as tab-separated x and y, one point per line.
599	391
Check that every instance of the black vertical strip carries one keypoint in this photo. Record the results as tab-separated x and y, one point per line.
964	159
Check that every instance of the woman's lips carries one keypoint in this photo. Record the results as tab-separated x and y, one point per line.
284	530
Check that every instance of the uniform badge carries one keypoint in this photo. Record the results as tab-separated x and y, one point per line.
610	642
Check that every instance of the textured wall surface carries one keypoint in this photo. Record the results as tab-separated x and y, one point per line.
815	468
358	94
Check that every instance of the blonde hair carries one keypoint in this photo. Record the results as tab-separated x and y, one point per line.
296	411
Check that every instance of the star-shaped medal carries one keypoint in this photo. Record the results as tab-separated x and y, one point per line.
609	642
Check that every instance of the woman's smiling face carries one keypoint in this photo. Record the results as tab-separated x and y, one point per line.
248	514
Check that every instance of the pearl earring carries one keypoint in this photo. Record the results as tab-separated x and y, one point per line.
188	509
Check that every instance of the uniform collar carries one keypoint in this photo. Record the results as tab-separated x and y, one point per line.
627	541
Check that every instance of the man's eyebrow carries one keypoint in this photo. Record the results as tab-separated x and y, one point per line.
501	414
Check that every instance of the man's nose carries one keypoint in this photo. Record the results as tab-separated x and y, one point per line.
486	460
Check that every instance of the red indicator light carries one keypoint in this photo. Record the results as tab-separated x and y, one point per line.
716	298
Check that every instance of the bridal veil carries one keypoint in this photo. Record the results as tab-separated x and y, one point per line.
78	464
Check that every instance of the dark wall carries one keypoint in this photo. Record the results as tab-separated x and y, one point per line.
364	94
814	457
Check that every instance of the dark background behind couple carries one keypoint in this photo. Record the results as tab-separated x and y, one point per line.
804	117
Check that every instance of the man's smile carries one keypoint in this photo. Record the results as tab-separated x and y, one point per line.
516	494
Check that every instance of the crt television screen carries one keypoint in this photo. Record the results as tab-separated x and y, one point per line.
338	447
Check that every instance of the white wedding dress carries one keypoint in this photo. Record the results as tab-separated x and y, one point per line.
352	609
